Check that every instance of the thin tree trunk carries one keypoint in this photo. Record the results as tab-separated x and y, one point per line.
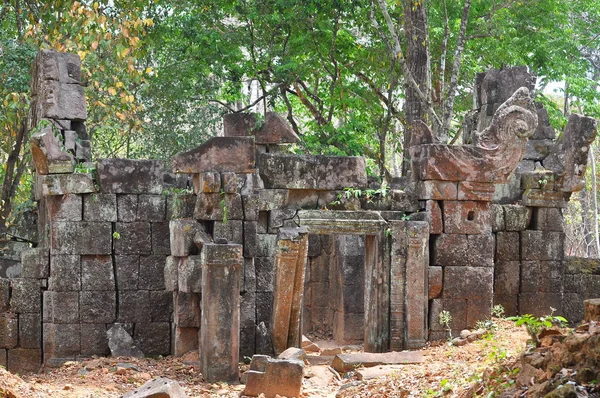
460	47
13	172
595	202
419	65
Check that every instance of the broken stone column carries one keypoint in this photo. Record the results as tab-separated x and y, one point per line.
290	266
409	285
220	319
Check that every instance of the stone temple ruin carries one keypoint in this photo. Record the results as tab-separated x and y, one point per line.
267	246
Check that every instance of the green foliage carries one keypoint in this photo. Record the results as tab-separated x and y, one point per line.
445	319
534	325
498	311
224	207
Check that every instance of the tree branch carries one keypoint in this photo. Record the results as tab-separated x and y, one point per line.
407	73
460	46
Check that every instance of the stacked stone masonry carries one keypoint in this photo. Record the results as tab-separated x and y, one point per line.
250	246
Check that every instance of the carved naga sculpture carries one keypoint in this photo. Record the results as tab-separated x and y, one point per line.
495	153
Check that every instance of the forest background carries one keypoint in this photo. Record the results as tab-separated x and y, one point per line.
351	76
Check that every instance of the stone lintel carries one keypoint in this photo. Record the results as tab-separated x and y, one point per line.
342	222
220	154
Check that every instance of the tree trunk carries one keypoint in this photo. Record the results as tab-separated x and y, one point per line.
14	168
419	65
594	203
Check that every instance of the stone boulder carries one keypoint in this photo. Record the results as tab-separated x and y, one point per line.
273	377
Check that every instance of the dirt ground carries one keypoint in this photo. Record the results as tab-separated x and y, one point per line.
480	367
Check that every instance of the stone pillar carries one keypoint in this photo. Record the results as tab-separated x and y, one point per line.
409	284
377	297
220	319
417	263
290	267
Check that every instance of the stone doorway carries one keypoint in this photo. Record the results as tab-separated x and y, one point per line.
334	289
347	284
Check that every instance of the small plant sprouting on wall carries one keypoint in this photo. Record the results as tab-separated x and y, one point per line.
224	208
445	319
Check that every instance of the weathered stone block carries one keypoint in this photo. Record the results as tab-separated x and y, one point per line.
516	217
49	154
64	208
35	263
249	276
573	306
61	307
234	154
538	179
548	219
436	225
467	250
265	273
127	208
153	338
507	246
97	306
187	309
94	238
162	305
436	282
130	176
4	294
132	238
537	149
540	304
180	206
465	282
542	245
280	170
63	184
171	273
94	340
230	182
152	275
497	217
61	340
100	207
127	272
541	276
190	274
9	330
151	208
436	190
232	231
472	190
266	245
280	218
510	303
274	129
26	296
134	306
478	309
161	239
273	377
467	217
506	278
247	324
97	273
24	360
543	198
219	207
184	340
207	182
182	234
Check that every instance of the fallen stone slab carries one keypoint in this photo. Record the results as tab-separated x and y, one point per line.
347	362
158	388
377	371
292	353
273	377
121	345
592	309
